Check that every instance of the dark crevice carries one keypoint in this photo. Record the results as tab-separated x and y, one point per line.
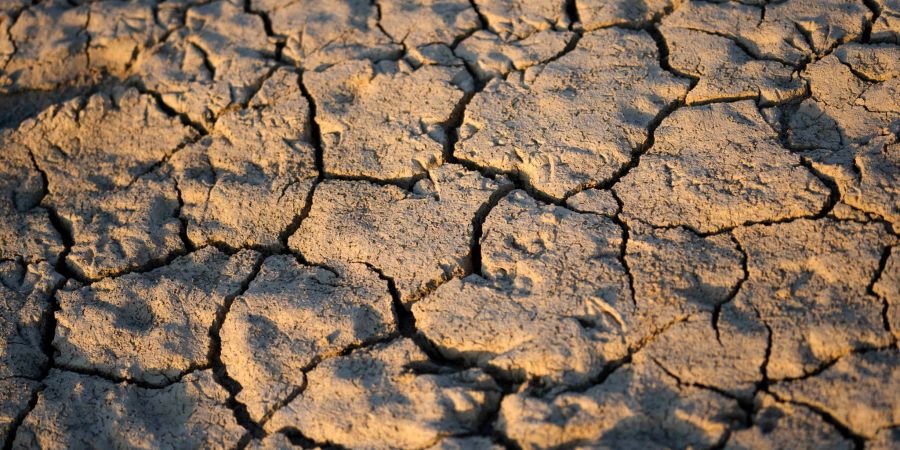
183	228
717	310
746	406
478	228
481	17
298	438
623	250
834	192
875	8
315	139
663	53
315	132
611	367
48	332
870	289
115	379
637	153
572	13
570	46
858	441
220	372
830	363
17	421
406	322
185	120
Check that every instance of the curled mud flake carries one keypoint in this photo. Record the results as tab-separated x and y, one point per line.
637	406
777	424
320	34
216	60
386	120
887	25
808	280
575	121
149	327
418	239
245	183
552	302
82	411
718	166
853	391
388	396
293	316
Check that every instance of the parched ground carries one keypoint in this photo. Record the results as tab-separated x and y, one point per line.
450	224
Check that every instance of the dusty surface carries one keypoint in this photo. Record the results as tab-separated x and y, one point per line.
450	224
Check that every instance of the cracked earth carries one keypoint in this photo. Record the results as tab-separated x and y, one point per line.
450	224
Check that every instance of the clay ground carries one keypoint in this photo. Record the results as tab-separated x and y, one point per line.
450	224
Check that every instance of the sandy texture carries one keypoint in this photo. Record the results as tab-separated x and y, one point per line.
97	156
291	317
638	406
561	127
153	326
553	302
244	184
450	224
213	62
417	239
385	121
322	34
81	411
715	167
851	391
387	397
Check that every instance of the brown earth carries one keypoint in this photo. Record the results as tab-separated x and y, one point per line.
450	224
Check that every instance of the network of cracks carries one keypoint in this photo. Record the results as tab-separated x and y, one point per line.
450	224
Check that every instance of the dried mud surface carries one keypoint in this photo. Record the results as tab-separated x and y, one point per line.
450	224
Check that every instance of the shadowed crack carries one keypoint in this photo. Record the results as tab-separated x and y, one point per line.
717	311
623	251
220	372
859	442
870	289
